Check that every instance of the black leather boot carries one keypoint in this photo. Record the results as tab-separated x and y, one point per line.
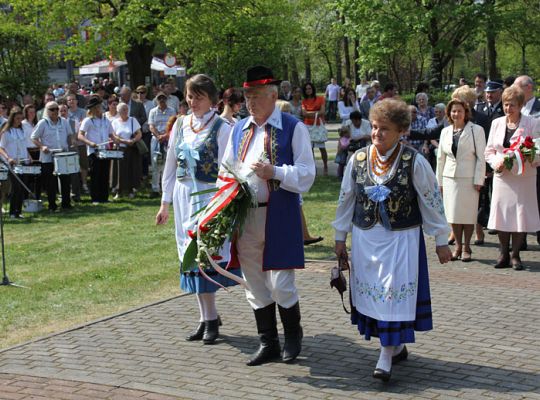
290	317
267	328
197	334
211	331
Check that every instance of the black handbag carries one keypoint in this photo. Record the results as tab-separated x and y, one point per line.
338	280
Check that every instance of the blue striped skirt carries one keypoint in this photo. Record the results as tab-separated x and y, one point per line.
394	333
194	282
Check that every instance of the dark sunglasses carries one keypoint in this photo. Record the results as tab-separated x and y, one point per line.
140	92
53	109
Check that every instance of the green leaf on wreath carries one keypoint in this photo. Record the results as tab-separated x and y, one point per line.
188	262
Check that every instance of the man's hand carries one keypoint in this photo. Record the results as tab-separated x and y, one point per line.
263	170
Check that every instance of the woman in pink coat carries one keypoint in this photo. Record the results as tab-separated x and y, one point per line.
514	210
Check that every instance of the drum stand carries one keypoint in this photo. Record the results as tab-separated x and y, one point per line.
5	279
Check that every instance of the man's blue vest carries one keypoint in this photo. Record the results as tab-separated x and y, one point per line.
284	240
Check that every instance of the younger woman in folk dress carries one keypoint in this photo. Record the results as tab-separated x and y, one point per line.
206	133
389	195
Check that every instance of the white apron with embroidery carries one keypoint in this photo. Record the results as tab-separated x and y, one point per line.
384	273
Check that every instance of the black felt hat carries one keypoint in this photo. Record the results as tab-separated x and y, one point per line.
260	76
93	101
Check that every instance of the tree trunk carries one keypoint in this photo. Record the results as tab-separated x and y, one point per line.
346	52
295	77
491	34
307	66
436	71
356	55
285	73
523	60
339	73
139	59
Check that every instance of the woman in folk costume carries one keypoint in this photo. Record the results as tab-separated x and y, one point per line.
196	146
387	194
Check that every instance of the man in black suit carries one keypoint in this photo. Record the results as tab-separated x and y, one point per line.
493	105
136	109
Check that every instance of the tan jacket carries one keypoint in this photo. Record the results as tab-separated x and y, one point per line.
469	161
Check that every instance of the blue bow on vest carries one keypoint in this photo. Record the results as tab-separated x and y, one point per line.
378	194
190	156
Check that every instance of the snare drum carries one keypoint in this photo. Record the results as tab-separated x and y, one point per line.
30	169
32	206
3	173
105	154
66	163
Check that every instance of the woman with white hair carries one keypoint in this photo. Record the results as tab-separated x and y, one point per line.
52	134
424	110
127	132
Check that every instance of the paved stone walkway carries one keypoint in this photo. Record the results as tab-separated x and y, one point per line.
484	345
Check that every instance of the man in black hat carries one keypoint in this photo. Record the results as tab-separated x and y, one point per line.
493	105
277	147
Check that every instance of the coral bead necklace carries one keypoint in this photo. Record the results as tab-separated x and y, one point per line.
377	164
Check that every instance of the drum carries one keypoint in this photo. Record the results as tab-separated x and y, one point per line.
66	163
32	206
3	173
30	169
110	154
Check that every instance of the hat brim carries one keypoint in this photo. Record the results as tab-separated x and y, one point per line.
261	82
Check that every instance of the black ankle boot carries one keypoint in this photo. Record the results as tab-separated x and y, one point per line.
290	317
267	328
211	331
197	334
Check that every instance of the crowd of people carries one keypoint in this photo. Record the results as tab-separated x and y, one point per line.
405	170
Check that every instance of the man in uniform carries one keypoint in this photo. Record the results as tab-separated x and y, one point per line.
276	146
493	105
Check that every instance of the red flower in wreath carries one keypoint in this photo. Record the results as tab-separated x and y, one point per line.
528	142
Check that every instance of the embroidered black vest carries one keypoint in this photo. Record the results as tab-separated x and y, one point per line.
207	164
401	204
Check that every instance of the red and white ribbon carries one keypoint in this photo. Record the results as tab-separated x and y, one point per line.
221	199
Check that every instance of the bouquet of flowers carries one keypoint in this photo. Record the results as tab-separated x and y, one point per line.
521	149
221	219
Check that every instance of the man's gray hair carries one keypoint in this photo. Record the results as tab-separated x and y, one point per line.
527	80
440	106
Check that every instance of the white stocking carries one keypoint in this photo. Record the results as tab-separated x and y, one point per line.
398	349
201	307
385	359
207	305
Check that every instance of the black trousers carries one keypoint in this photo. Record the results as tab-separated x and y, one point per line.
99	178
50	181
17	194
145	159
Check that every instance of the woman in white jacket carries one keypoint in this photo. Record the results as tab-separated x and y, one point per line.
461	169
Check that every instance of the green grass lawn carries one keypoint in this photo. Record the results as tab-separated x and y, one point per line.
99	260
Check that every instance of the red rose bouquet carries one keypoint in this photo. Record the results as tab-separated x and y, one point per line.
523	149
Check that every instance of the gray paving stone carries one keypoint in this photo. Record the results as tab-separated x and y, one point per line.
475	350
